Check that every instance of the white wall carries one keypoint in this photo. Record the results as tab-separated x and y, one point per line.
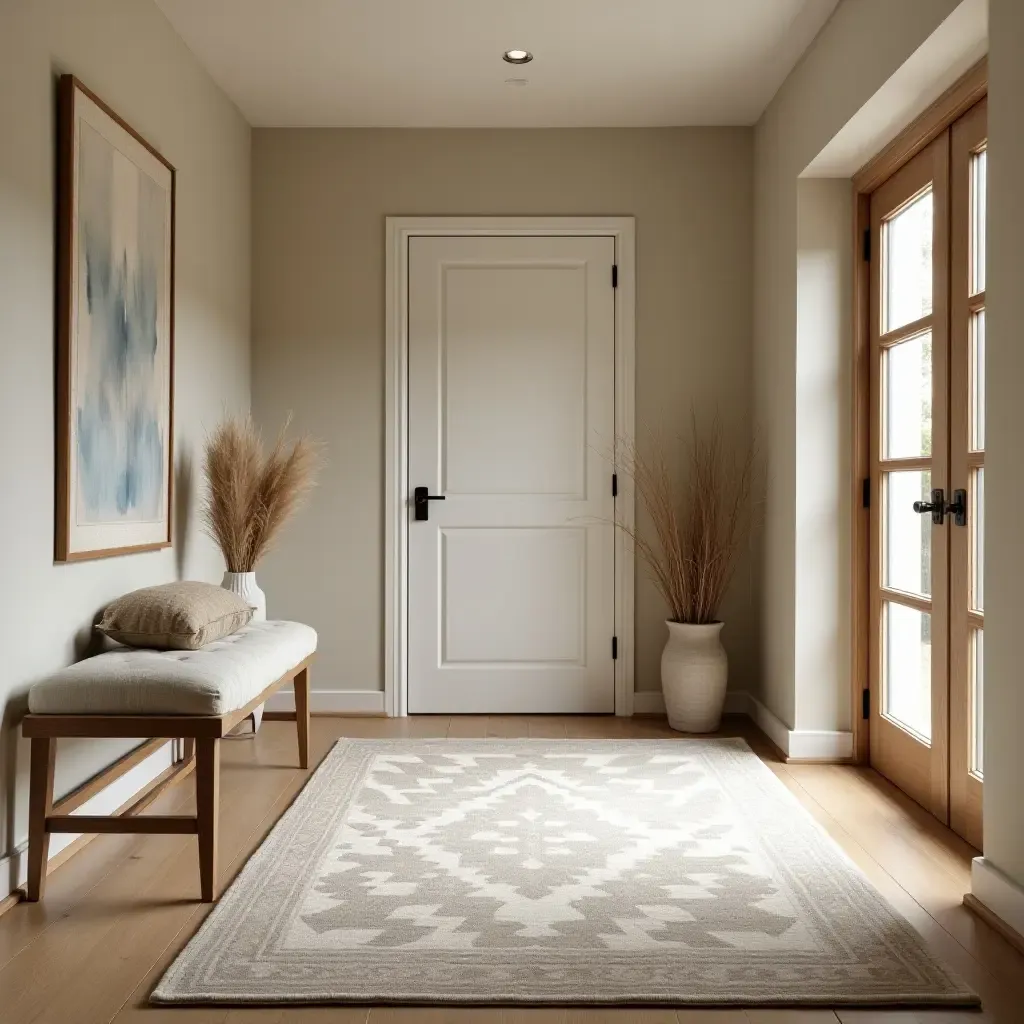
1004	462
319	201
822	511
863	43
126	52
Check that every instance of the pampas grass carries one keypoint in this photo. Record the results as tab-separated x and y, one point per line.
251	495
698	529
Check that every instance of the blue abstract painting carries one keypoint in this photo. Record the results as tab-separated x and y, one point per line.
115	333
120	395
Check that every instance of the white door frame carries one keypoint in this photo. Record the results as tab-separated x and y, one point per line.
396	424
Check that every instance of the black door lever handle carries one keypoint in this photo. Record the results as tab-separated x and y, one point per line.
420	497
937	507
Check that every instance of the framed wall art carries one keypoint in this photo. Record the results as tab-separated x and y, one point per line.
115	334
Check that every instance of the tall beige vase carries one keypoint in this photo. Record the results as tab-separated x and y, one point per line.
694	673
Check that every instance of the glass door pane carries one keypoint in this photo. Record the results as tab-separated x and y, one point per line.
978	547
908	263
977	697
908	668
979	212
978	381
908	397
908	536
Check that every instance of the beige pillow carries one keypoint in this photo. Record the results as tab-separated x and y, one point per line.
174	616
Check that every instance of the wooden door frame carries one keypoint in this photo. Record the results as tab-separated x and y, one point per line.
952	104
398	232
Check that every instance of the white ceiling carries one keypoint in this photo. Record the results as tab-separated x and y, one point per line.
434	63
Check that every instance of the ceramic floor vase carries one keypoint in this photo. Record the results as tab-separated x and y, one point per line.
694	673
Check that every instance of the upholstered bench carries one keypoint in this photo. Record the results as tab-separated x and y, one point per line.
198	696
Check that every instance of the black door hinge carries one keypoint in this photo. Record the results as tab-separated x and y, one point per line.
865	493
867	243
615	485
615	275
615	647
865	704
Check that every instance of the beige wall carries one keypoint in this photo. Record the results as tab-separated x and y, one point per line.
319	202
126	52
822	513
860	47
1004	435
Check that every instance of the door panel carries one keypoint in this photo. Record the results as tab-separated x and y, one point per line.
908	458
524	389
967	467
511	418
538	613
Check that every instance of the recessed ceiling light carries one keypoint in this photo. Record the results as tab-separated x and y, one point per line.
517	56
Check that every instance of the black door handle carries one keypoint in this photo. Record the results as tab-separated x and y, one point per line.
420	497
937	506
957	508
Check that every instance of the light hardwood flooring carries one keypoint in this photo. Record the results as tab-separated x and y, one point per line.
119	911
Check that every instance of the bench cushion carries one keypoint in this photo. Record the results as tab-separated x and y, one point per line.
218	678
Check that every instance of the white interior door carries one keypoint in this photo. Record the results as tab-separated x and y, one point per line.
511	423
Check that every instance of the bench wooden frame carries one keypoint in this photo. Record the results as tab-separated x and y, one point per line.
202	735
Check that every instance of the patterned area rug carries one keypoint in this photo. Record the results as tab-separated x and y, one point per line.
553	871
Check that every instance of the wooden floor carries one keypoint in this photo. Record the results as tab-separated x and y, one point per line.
118	912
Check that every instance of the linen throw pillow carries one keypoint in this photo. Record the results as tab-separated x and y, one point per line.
174	616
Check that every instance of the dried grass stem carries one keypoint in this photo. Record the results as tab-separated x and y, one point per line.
697	529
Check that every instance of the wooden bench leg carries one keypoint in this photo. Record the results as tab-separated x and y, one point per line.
207	808
301	686
188	749
40	804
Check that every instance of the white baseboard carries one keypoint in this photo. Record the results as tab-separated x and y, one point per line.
336	702
998	893
799	744
14	866
820	745
803	744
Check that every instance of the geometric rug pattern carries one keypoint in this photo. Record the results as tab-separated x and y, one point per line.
674	871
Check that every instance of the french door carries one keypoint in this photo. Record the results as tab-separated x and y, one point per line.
927	328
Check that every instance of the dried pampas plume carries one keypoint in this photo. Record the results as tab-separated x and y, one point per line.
697	528
251	495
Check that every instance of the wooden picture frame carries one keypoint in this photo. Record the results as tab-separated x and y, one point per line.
115	334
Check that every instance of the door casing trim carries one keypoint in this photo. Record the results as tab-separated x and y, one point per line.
398	231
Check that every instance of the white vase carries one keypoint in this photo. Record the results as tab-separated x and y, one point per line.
245	586
694	672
